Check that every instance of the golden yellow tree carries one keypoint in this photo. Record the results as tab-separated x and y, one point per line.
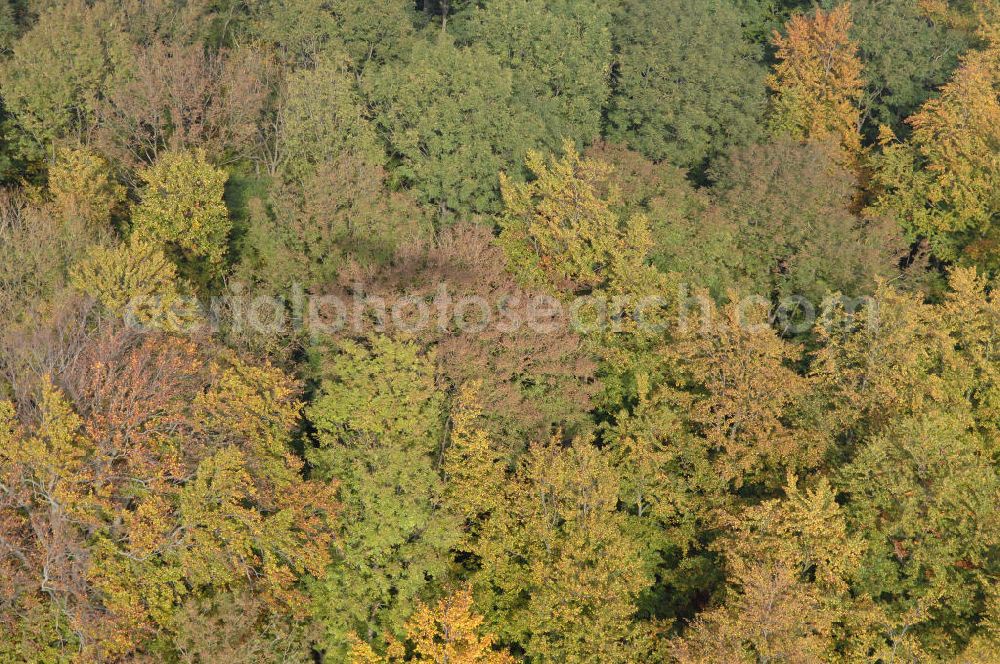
943	183
957	134
743	391
182	207
135	279
561	228
788	563
82	188
817	80
450	631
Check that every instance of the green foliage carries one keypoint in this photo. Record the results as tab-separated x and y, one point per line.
710	415
57	72
560	56
684	227
8	26
449	116
559	574
378	422
343	211
182	208
763	17
323	118
306	30
561	226
785	209
922	494
906	57
687	85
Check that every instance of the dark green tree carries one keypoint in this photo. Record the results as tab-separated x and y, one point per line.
907	56
687	84
560	54
449	117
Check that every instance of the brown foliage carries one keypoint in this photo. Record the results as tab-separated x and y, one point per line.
535	377
179	97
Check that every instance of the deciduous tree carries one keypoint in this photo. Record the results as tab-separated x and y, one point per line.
560	55
182	209
817	80
448	114
943	182
687	86
178	97
378	421
560	575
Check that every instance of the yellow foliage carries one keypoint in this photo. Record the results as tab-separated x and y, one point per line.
135	280
749	384
81	187
182	206
450	631
944	181
957	134
54	454
817	80
473	469
561	225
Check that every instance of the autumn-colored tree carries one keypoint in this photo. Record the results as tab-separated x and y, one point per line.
82	187
142	493
136	280
817	80
182	209
35	255
46	507
744	392
536	371
234	628
970	313
177	97
942	182
789	562
449	631
57	73
878	362
474	470
910	380
561	228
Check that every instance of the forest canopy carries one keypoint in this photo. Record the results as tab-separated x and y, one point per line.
494	331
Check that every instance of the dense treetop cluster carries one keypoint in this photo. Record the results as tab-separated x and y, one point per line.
717	477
